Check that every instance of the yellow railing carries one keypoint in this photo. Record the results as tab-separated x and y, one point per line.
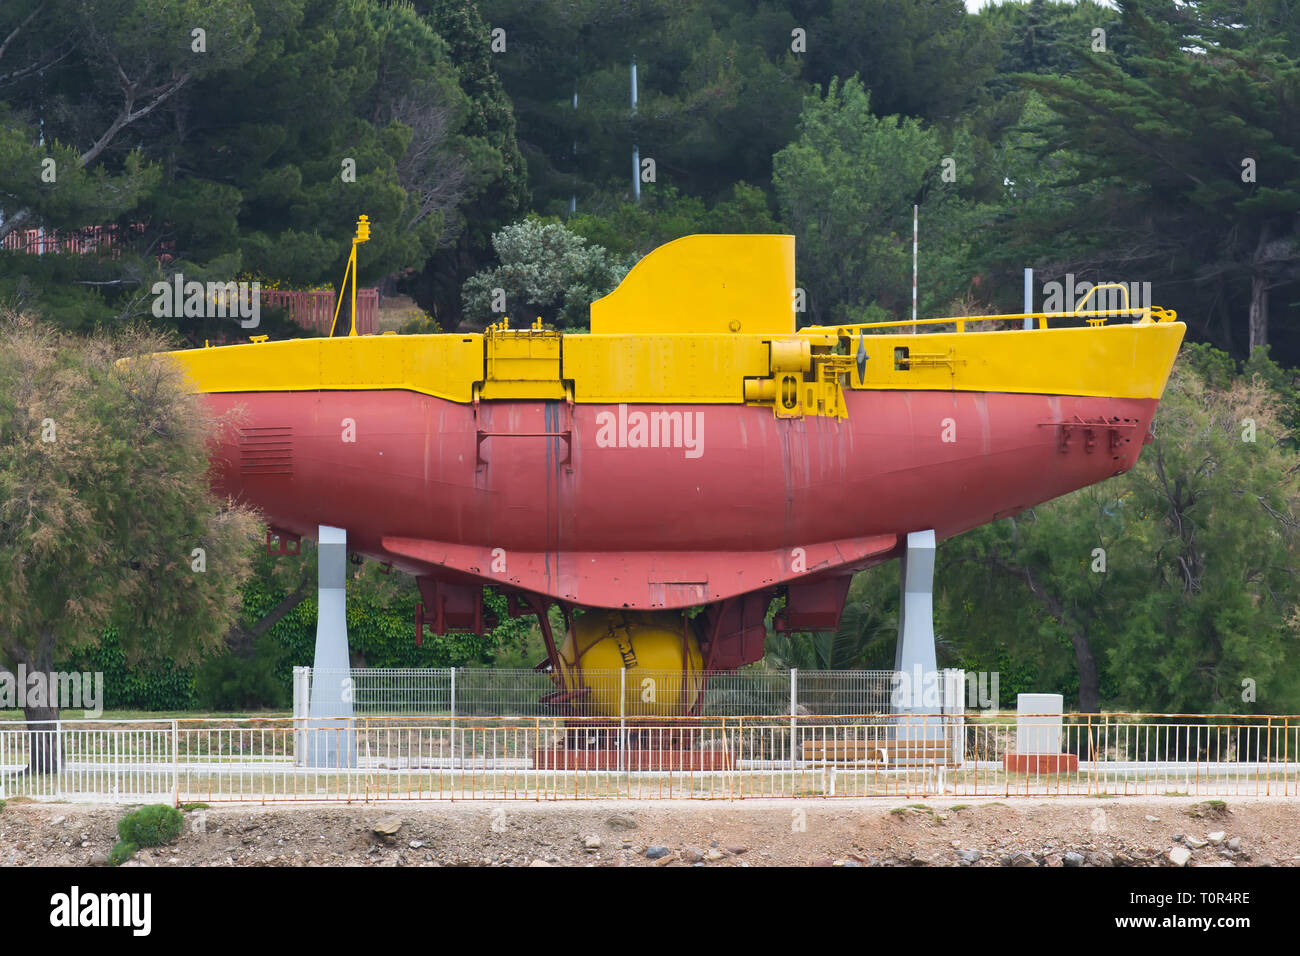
1094	317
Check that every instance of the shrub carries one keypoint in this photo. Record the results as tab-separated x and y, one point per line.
150	826
230	682
121	852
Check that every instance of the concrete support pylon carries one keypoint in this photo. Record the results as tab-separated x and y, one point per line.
916	690
331	734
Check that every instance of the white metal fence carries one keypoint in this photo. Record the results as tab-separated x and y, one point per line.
550	758
492	692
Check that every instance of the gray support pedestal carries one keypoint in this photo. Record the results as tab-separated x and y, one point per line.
330	732
917	683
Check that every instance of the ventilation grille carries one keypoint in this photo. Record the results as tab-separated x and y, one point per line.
266	451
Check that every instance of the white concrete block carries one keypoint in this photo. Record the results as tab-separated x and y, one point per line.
1039	734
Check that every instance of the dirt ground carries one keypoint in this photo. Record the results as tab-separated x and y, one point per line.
1087	832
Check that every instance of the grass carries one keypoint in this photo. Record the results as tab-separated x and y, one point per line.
395	312
1207	808
17	715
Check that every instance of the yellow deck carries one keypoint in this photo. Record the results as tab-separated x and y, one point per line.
710	319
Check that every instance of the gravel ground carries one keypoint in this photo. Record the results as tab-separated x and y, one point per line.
1091	832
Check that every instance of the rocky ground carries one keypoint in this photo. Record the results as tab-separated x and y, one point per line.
1117	832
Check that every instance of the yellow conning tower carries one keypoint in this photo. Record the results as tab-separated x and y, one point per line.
720	285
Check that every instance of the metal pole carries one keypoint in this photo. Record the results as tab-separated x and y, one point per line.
1029	297
636	152
573	199
794	709
453	718
353	266
915	229
58	758
176	774
622	714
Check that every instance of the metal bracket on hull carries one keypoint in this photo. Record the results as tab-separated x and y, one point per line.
804	381
481	436
557	424
448	607
278	542
1115	429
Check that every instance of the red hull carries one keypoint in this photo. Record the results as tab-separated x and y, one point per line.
528	494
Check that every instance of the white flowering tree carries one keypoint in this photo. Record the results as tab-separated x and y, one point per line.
545	270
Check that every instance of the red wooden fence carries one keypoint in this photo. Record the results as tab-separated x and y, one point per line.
83	241
311	310
315	310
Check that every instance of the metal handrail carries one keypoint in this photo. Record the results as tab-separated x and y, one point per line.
1148	314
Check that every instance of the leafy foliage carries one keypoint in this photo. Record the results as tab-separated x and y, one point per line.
104	501
153	825
846	187
241	158
227	682
546	270
1200	544
121	852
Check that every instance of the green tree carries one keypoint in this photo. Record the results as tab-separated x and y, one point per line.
255	156
85	73
106	515
1191	127
502	200
637	229
846	187
718	89
926	60
545	271
1170	585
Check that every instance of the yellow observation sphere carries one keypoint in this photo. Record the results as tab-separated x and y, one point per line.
649	646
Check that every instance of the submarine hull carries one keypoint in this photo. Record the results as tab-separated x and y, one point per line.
657	506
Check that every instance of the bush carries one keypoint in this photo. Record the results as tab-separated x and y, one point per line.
121	852
229	682
150	826
155	684
546	272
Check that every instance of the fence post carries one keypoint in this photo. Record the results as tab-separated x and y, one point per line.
622	717
453	718
301	710
58	758
176	776
794	710
1268	750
